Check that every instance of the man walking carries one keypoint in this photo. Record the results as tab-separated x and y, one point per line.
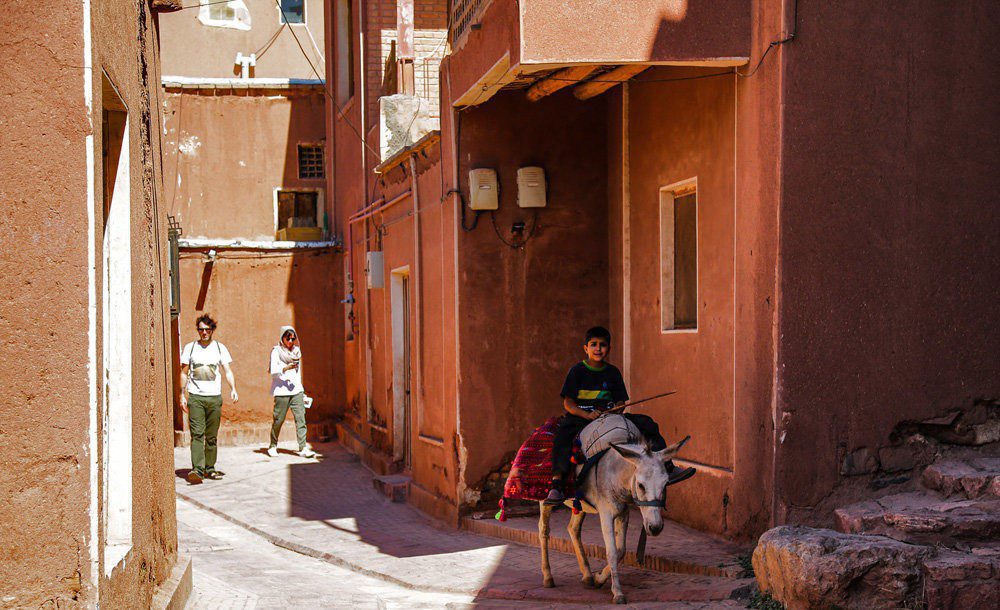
200	376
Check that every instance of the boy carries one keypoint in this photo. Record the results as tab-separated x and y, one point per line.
591	387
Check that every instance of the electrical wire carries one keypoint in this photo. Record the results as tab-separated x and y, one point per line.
326	88
270	41
516	245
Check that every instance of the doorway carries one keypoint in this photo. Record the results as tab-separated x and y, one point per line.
401	367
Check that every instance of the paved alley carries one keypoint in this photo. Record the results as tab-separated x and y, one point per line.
290	532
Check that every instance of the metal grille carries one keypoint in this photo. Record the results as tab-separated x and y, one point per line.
310	161
463	14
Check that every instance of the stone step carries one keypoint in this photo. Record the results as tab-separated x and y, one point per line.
963	580
923	517
678	549
396	487
972	477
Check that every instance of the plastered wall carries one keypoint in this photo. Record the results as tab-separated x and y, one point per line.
51	177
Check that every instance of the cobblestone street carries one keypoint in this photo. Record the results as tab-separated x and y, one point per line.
289	532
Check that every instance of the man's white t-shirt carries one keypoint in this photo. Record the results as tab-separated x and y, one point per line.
205	367
288	383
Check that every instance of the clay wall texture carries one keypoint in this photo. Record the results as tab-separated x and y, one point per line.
845	283
49	556
194	49
225	154
523	312
252	294
887	275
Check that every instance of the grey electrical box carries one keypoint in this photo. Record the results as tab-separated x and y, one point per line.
484	189
531	187
375	269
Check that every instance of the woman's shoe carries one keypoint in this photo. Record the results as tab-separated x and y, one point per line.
272	451
213	474
194	477
307	453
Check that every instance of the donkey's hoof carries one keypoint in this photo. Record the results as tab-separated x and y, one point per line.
588	581
620	599
549	583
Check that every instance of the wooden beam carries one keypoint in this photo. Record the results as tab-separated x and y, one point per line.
555	82
607	80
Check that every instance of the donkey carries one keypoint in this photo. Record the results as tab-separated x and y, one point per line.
629	475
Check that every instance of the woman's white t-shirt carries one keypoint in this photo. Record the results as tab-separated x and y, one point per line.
204	367
288	383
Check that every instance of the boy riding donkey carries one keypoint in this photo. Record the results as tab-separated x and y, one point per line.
592	387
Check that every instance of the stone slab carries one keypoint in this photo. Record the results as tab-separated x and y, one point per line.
972	478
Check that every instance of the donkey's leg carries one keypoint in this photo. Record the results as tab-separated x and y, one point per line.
575	524
608	529
543	542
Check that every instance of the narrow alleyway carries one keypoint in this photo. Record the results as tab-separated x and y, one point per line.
290	532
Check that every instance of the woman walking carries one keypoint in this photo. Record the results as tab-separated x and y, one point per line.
286	387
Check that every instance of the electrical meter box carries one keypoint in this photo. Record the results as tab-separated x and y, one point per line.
375	269
531	187
484	189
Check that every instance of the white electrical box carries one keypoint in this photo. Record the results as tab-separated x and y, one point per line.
375	269
531	187
484	189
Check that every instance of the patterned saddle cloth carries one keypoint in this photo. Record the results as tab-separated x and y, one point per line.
531	473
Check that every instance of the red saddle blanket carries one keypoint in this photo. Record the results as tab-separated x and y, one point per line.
531	473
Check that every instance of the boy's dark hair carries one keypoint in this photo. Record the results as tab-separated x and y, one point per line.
597	332
206	320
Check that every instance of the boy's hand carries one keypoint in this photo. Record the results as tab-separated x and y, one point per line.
592	415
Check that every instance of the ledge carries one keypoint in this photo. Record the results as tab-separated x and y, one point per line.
397	158
200	82
197	243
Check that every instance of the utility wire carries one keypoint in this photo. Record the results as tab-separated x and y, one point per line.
326	88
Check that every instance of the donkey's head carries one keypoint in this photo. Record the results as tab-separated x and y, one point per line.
648	483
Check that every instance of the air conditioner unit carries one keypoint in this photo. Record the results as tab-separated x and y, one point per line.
484	189
531	187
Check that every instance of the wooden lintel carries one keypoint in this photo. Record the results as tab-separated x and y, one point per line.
607	80
555	82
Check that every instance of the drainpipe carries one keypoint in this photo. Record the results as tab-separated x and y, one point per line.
418	369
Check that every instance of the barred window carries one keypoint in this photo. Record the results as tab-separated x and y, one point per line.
310	161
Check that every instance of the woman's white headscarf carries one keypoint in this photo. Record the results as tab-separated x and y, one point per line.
288	356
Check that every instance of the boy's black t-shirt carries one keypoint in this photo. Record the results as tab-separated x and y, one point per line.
591	387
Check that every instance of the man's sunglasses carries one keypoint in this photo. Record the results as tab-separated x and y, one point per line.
207	330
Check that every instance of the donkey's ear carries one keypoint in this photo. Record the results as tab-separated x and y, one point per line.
672	450
629	451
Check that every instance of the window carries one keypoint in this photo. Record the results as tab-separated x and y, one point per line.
296	209
679	257
345	51
233	14
116	311
293	11
310	161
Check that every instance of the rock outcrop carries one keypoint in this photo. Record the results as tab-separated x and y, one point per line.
815	568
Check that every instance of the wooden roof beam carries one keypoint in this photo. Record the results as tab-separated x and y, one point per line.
607	80
555	82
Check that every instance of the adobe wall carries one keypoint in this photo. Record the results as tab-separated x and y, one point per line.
888	224
252	294
50	556
194	49
679	131
556	31
225	154
516	346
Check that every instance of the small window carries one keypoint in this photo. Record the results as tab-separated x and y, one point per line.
296	209
233	14
310	162
679	257
345	51
293	11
